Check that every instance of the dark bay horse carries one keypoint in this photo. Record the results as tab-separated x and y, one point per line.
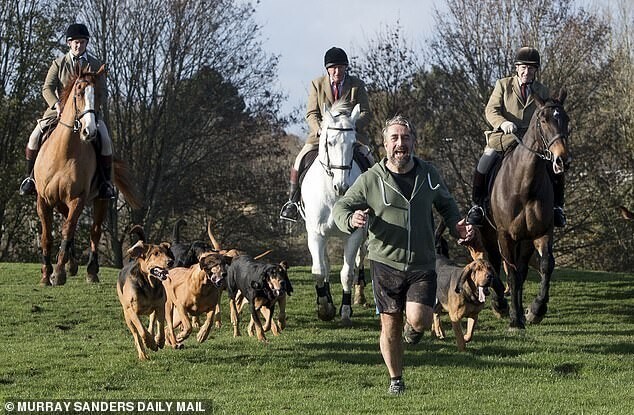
65	178
521	208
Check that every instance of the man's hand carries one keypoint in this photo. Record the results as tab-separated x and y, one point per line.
359	218
465	231
508	127
58	109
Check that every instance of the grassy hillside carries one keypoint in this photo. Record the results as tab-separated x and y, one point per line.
71	342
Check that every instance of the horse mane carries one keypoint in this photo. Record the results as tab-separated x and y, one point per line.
68	88
339	108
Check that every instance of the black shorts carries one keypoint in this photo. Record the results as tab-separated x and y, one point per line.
393	288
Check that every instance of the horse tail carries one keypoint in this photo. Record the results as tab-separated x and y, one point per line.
125	183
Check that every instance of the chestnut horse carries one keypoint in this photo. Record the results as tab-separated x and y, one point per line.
521	208
65	178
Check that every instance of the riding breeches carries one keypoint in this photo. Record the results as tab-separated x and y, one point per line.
34	138
488	159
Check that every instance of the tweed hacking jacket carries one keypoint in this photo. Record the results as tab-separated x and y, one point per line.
353	91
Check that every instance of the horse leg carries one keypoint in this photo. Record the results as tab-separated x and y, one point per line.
508	250
72	257
75	207
73	264
498	298
347	274
320	270
45	213
99	213
535	314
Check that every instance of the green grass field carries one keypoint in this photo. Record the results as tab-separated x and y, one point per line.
71	342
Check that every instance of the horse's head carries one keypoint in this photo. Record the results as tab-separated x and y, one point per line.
336	144
553	128
81	103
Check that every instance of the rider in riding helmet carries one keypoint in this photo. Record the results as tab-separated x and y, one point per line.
336	85
509	111
58	76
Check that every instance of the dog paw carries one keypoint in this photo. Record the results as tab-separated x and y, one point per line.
201	337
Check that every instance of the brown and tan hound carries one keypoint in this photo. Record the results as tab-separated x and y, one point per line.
141	292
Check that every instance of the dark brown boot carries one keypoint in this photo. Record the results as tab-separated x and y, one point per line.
475	216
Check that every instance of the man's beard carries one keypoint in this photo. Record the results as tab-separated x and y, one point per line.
400	157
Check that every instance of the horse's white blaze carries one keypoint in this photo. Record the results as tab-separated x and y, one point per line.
88	119
320	191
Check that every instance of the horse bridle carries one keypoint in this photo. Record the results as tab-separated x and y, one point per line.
330	167
78	116
546	154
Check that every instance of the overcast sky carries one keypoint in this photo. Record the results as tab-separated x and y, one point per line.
300	32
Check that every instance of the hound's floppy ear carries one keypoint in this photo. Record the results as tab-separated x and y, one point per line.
228	259
466	273
284	265
137	250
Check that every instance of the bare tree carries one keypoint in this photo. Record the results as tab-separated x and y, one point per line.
27	46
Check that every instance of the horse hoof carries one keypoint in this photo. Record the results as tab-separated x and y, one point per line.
346	313
326	312
533	318
72	269
92	279
515	326
58	279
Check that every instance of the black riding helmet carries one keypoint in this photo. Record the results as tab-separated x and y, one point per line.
77	31
335	56
527	56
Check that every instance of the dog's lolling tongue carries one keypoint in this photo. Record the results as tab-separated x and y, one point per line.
159	273
481	295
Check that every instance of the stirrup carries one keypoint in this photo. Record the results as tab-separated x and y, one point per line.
560	217
289	211
475	216
27	187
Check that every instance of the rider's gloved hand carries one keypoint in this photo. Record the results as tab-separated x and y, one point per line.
508	127
58	109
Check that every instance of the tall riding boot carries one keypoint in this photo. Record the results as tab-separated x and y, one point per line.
475	216
558	190
27	187
290	210
106	189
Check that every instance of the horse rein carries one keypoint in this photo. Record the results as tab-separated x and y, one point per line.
330	167
546	154
78	116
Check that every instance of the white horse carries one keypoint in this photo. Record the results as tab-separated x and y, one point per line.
328	178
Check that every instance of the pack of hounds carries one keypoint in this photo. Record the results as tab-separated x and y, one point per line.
176	283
